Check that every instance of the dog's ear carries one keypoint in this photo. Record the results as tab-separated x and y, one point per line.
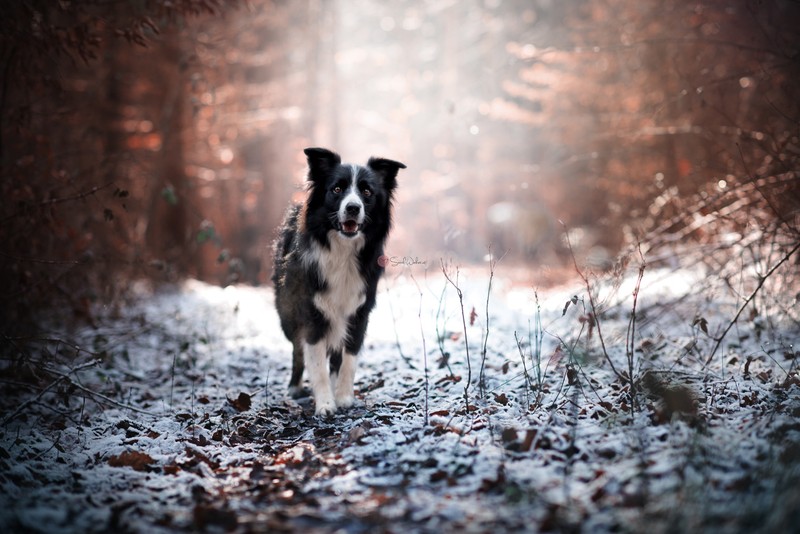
321	162
387	170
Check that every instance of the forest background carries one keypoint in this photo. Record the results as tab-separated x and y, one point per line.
162	140
591	316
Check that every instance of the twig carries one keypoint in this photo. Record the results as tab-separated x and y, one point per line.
630	336
592	304
424	352
761	282
528	385
94	393
397	334
440	332
54	201
60	377
538	336
482	380
754	181
28	402
466	341
50	448
40	261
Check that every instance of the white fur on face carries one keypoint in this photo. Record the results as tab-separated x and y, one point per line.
351	196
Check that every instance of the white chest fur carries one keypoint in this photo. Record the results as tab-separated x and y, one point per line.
345	292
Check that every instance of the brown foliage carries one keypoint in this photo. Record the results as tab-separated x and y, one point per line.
86	145
163	139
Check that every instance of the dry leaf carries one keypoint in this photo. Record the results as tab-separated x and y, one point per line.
242	403
138	461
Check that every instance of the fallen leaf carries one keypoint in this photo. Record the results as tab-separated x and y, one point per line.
171	469
792	379
764	376
138	461
206	516
573	300
372	387
527	441
572	376
448	378
509	436
242	403
749	400
439	475
702	323
356	435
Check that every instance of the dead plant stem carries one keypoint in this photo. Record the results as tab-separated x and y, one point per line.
424	355
464	324
749	299
595	317
630	337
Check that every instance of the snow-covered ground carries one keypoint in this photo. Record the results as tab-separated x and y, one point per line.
173	415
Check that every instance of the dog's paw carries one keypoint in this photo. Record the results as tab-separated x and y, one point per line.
345	401
325	409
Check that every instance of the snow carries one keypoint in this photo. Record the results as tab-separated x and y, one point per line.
170	448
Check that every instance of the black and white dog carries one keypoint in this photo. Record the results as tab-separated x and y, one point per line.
327	266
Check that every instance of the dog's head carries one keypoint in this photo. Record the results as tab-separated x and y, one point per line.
350	199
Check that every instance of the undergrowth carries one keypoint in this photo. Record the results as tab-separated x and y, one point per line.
610	389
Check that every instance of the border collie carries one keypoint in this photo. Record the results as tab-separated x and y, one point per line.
327	269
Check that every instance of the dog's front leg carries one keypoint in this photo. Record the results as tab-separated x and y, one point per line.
316	358
344	381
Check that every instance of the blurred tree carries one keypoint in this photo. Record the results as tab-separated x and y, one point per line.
177	158
654	98
80	101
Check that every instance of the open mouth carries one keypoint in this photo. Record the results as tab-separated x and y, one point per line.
349	227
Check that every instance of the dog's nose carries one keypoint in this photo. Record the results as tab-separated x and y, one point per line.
352	210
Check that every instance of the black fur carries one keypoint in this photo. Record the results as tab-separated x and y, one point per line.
307	262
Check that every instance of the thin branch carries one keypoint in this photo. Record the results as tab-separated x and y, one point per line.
592	304
405	358
492	263
54	201
466	341
754	181
105	398
630	337
424	353
28	402
761	282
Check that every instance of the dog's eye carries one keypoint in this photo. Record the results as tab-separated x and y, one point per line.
366	192
337	190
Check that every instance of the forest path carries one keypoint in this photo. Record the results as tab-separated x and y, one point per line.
179	420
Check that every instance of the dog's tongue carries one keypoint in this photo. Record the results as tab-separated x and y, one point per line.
350	227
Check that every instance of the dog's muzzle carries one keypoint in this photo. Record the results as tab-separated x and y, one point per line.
349	224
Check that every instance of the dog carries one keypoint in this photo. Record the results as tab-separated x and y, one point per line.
327	265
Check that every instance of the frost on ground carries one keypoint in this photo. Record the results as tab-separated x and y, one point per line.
172	415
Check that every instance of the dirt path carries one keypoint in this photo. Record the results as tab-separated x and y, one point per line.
174	417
